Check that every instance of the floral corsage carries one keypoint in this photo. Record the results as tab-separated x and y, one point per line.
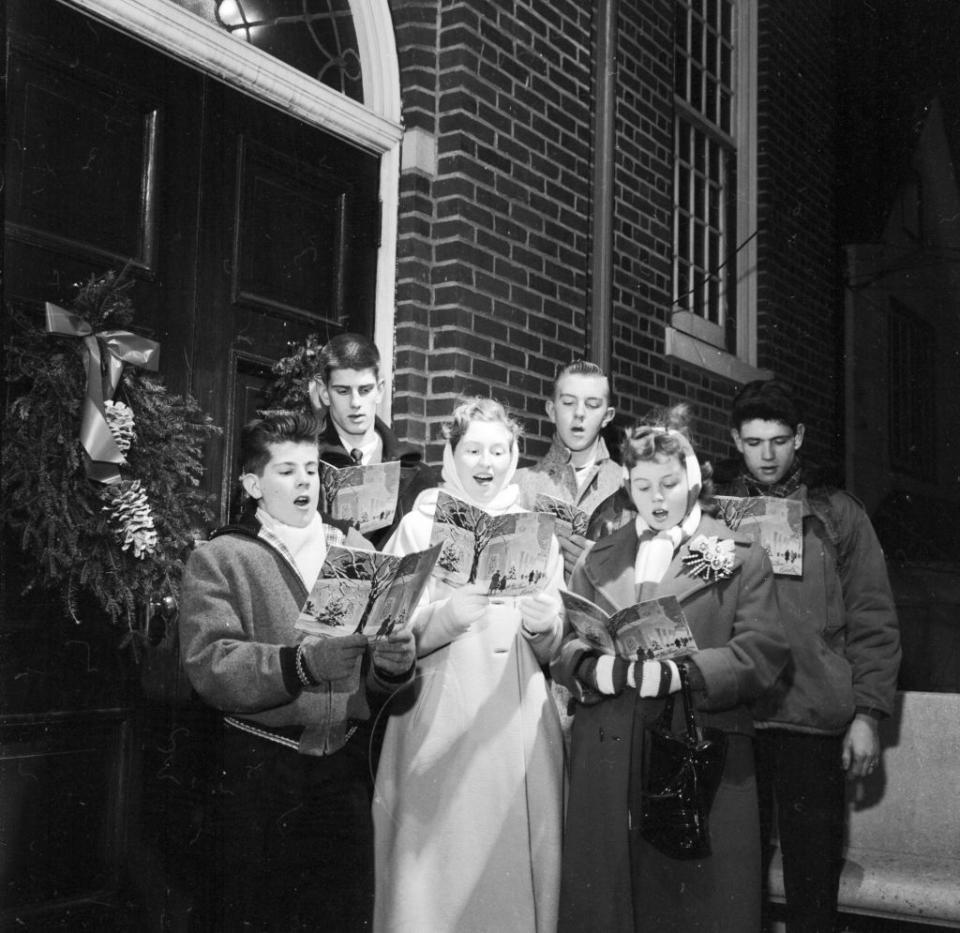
710	558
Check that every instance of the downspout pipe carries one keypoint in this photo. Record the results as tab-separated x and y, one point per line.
604	148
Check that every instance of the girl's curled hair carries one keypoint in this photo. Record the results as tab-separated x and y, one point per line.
478	408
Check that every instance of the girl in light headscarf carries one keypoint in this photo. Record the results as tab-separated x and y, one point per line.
468	803
612	879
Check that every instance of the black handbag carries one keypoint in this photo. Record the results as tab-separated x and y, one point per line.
680	774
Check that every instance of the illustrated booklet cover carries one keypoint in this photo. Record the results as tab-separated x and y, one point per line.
777	524
365	591
506	553
364	495
653	630
569	517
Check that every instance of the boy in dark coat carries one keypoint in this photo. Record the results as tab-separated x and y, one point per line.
350	389
820	722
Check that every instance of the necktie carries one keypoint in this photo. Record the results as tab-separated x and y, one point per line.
357	455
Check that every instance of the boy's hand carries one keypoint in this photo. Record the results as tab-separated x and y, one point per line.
394	654
572	546
539	612
333	658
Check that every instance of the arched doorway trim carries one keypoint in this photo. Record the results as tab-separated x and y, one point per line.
374	125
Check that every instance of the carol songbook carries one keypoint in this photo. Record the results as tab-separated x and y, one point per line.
776	524
652	630
365	591
507	554
570	518
365	495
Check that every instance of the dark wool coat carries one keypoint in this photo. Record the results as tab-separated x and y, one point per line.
612	880
840	616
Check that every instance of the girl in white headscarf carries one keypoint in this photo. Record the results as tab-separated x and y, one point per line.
612	879
468	803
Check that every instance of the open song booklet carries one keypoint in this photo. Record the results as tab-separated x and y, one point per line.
507	554
364	495
365	591
777	524
653	630
570	518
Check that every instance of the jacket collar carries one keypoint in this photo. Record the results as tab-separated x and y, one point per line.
332	450
610	567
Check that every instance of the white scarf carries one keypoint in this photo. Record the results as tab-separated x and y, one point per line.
506	495
305	548
654	554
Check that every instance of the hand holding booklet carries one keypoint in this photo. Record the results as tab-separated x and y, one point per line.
365	591
653	630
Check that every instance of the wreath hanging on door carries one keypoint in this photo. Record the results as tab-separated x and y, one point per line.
102	464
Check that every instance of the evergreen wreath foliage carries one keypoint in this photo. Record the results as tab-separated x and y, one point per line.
290	390
63	521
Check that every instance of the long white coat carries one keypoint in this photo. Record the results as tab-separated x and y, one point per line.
468	804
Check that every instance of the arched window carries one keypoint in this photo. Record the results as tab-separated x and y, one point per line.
316	37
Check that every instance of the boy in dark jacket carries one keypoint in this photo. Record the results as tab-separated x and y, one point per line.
351	389
840	619
293	833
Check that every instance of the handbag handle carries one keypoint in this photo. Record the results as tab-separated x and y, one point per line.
666	717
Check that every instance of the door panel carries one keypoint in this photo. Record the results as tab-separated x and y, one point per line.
287	245
244	230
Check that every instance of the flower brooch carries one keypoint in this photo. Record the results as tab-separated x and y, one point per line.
710	558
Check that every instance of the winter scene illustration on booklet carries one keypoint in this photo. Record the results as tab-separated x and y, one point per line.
364	495
655	629
365	591
776	523
506	553
570	519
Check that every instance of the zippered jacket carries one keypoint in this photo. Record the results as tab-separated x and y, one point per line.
839	617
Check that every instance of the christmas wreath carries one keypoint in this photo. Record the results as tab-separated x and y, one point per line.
101	482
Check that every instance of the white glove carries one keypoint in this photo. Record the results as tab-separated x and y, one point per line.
466	605
539	613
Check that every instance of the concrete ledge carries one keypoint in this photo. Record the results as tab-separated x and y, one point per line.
894	887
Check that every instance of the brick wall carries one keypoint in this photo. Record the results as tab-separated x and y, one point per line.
800	319
494	248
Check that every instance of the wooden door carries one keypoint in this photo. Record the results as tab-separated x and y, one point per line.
244	230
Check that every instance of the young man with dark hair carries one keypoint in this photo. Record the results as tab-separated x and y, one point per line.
350	390
820	721
289	818
578	467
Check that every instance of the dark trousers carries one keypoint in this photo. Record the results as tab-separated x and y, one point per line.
291	839
800	782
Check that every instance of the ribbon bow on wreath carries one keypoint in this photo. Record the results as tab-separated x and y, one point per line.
711	558
103	375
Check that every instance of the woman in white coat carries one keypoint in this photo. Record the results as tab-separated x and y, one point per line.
468	804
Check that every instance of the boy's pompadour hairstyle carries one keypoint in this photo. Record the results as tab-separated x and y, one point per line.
275	428
581	367
348	351
765	400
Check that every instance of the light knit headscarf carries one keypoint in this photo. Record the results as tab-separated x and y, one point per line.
655	551
505	496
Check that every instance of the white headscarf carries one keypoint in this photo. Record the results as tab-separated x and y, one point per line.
507	493
506	496
654	554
